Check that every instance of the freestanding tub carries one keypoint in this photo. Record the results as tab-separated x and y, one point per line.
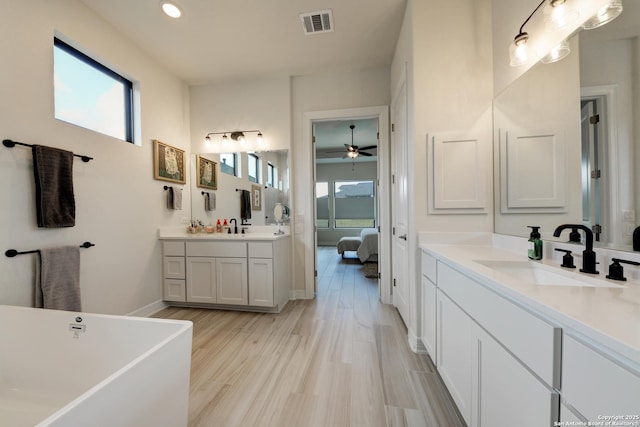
67	369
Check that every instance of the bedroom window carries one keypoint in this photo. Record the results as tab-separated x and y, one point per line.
91	95
322	204
354	204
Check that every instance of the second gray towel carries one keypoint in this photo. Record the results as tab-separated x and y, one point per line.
174	198
58	282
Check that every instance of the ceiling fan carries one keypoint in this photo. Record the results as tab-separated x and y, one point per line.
353	151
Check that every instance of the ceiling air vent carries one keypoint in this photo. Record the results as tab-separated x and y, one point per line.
317	22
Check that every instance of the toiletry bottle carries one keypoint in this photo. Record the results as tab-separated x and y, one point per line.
535	243
636	239
225	226
218	226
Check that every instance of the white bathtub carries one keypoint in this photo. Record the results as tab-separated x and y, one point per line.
66	369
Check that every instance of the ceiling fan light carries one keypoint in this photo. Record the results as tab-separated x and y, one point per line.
605	15
352	154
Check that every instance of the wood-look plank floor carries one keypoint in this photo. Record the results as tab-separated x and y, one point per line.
341	359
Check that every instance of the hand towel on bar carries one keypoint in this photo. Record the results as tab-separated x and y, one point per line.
245	205
207	202
53	173
58	281
174	198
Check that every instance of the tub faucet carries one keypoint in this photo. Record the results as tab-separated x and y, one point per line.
235	225
588	255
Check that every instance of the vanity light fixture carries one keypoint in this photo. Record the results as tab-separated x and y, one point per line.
605	15
558	15
237	135
171	9
519	49
557	53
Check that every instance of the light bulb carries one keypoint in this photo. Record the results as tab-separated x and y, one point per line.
605	15
559	16
559	52
171	10
519	50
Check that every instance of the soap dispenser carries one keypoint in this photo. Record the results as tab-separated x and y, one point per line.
636	239
535	243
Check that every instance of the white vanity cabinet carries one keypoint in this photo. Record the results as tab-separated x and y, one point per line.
500	362
429	305
595	385
237	272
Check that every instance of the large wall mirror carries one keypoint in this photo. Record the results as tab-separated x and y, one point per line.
567	138
215	179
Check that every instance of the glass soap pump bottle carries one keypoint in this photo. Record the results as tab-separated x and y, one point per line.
535	243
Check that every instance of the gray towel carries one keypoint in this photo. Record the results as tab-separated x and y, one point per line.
245	205
58	281
174	198
209	201
53	173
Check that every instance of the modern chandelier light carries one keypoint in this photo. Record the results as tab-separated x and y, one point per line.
558	16
237	135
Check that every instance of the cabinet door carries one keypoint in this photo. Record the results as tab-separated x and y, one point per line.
505	393
201	279
454	353
261	282
174	290
231	281
429	316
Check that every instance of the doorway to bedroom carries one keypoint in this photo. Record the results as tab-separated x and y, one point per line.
346	203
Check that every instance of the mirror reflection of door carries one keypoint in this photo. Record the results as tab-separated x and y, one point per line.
594	167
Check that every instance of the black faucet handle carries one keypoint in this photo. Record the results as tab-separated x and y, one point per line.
567	259
616	271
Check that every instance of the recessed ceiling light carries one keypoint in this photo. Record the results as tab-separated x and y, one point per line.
171	10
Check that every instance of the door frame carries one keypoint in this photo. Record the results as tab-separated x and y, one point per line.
307	181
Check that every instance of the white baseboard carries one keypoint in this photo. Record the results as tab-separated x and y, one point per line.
415	343
297	294
149	309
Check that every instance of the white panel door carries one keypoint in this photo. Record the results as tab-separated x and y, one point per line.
399	210
201	279
231	281
261	282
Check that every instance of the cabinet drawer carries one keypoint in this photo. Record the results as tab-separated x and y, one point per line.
217	249
260	250
173	267
174	290
429	267
595	385
532	340
172	248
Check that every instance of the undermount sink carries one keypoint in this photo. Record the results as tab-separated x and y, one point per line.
540	274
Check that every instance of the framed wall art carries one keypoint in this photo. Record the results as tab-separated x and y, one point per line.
256	197
206	173
169	163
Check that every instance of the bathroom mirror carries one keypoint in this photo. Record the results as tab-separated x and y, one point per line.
267	171
567	138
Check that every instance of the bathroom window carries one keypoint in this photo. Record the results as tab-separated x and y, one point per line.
253	168
271	175
354	204
229	163
91	95
322	204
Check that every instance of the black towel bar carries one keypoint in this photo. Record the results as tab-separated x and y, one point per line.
12	252
166	187
9	144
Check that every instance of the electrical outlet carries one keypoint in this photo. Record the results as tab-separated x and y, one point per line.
628	215
184	220
628	229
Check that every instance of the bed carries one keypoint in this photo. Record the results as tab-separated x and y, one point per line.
366	245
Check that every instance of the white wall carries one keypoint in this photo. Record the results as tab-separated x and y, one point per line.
119	206
358	88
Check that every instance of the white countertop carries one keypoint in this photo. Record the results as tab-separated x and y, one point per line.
608	316
174	233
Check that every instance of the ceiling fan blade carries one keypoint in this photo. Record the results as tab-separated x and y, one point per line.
363	153
368	147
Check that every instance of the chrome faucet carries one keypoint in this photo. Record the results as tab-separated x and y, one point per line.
235	225
588	255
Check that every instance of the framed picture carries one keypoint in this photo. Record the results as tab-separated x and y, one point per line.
169	163
256	197
206	173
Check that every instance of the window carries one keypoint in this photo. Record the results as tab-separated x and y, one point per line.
229	163
355	204
322	204
253	168
90	95
271	175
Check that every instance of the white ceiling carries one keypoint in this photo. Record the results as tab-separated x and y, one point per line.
218	40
